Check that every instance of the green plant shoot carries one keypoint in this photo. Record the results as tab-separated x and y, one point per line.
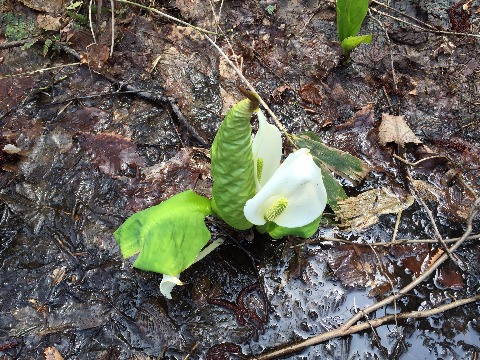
350	15
232	164
168	236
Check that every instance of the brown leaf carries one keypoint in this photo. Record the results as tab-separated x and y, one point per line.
83	119
96	55
110	152
412	257
311	94
360	266
448	277
362	211
49	23
395	129
51	353
13	91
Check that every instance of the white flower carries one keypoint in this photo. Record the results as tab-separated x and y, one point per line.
293	197
267	150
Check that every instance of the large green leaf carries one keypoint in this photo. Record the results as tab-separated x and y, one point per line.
350	15
232	164
168	236
351	42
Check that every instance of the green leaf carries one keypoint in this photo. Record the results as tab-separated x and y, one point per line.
168	236
277	232
351	42
340	162
335	192
350	15
232	164
74	5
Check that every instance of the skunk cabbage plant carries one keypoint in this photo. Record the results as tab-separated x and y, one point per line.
249	188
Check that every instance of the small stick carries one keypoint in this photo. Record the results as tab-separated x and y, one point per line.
349	326
168	16
421	28
250	87
112	5
429	213
90	21
419	161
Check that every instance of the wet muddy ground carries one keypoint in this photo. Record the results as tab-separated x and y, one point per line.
113	134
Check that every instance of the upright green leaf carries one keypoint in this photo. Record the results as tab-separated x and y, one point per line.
168	236
232	164
350	15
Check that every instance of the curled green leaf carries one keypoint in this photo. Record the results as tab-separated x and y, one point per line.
232	164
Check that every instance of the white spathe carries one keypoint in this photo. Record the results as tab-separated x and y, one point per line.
167	284
298	181
267	145
169	281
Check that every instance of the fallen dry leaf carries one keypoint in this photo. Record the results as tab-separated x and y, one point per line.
110	152
395	129
413	258
362	211
49	23
96	56
51	353
50	6
359	265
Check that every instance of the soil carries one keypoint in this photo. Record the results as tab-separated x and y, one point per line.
101	136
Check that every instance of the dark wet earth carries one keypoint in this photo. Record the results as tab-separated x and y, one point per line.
118	133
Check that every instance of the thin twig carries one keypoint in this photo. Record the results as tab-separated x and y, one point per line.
419	161
364	326
251	88
403	14
112	5
384	243
168	16
90	21
38	71
422	28
397	223
429	213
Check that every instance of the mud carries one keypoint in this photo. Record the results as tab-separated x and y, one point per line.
94	153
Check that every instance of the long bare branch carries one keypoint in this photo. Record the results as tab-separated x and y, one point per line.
349	326
363	326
